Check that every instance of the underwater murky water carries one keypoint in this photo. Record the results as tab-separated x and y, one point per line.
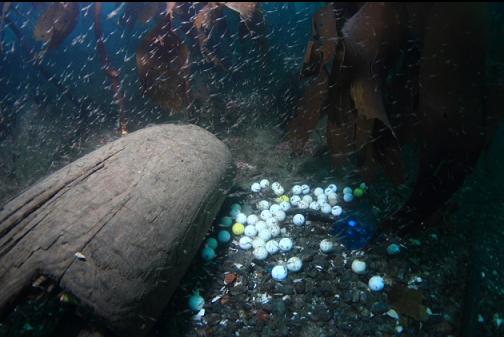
365	141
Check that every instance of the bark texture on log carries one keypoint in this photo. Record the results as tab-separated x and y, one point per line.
137	209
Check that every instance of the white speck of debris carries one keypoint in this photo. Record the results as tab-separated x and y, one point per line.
399	329
199	315
264	298
428	311
216	298
393	314
481	319
80	256
497	320
223	322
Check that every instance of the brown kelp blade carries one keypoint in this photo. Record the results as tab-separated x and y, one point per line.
245	9
142	13
162	65
204	22
56	22
308	115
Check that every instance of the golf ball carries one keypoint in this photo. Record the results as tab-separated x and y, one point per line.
315	206
358	266
285	206
241	218
238	228
245	243
348	197
266	214
279	215
223	236
298	219
263	205
272	247
260	225
294	200
294	264
250	231
325	208
258	242
256	187
264	183
376	283
318	191
297	189
326	246
252	219
285	244
336	210
279	273
274	208
265	234
260	253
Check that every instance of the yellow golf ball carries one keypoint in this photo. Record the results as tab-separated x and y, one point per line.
238	229
282	198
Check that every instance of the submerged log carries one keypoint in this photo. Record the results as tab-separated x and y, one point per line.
118	227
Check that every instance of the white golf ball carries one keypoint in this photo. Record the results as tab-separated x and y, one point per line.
315	206
271	221
321	197
279	215
332	198
336	210
307	199
252	219
325	208
279	273
296	189
275	185
328	190
318	191
333	187
348	197
245	243
298	219
258	242
294	200
305	189
285	244
260	253
260	225
256	187
376	283
264	183
275	230
326	246
279	191
302	205
272	247
241	218
266	214
347	190
263	205
358	266
274	208
265	234
285	206
294	264
250	231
